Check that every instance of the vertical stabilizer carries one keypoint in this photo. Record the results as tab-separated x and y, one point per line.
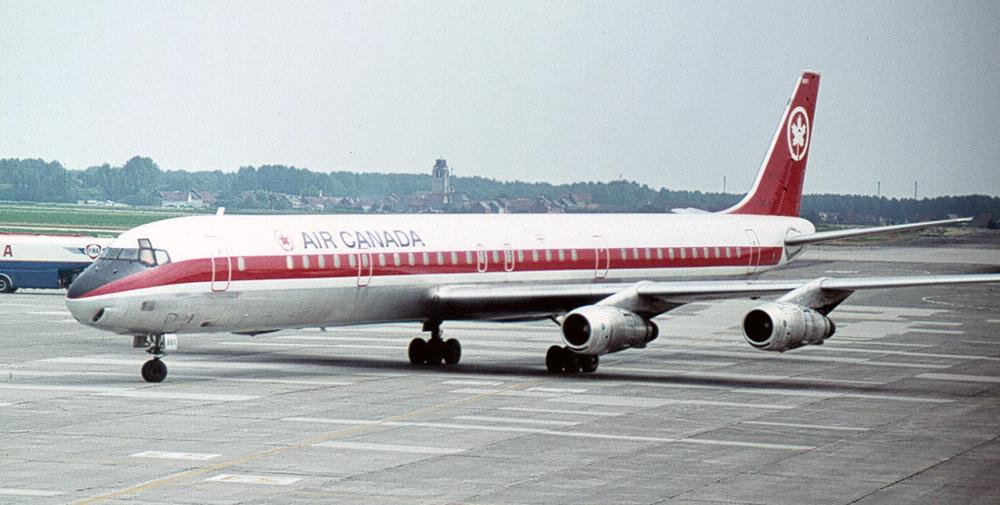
777	191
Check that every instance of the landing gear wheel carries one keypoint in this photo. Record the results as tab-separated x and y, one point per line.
452	351
554	361
435	351
417	351
154	370
588	364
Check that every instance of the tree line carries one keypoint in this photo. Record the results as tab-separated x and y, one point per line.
139	181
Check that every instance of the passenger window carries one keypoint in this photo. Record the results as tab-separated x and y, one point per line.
336	261
496	256
624	254
694	253
670	253
410	259
241	264
683	253
647	254
454	258
468	257
635	254
426	257
305	261
534	255
289	262
659	253
395	259
704	252
572	254
729	252
381	260
562	255
321	261
548	255
440	258
520	256
717	253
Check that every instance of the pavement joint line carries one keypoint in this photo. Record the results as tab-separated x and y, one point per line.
312	441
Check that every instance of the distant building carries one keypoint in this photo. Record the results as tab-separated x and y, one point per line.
191	199
441	179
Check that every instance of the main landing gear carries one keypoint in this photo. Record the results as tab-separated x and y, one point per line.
563	360
155	370
434	350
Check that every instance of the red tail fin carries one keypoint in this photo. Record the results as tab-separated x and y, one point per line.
778	188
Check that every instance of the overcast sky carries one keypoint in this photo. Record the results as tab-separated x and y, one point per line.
674	94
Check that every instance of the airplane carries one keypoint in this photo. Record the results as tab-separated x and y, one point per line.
602	277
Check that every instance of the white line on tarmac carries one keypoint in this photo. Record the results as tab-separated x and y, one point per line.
254	479
567	434
472	383
863	341
915	354
516	420
564	412
634	401
935	331
989	379
49	313
809	426
498	392
986	342
557	390
294	382
166	395
183	456
994	321
408	449
939	323
10	491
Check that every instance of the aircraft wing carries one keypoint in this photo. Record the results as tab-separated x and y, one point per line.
651	298
823	236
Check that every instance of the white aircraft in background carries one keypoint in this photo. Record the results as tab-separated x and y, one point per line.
603	277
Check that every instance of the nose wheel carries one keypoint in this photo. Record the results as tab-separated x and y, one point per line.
154	370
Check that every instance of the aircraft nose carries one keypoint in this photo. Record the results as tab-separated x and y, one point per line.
85	311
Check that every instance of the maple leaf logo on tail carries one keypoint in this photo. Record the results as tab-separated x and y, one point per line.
798	133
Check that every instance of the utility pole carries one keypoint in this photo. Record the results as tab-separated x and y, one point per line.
723	184
878	188
914	190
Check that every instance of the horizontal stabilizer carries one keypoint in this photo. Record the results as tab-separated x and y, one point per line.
823	236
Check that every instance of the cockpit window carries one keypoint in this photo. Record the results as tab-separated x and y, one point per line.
145	254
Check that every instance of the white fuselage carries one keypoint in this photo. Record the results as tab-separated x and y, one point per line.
259	273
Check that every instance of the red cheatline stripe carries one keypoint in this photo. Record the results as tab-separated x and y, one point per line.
255	268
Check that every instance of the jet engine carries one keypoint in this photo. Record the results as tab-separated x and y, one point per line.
601	329
776	326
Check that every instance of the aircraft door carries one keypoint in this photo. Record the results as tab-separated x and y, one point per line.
365	267
602	258
481	261
754	260
222	263
508	257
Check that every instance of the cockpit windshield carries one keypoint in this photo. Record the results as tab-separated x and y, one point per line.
144	254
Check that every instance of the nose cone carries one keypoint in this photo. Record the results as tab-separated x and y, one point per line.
87	311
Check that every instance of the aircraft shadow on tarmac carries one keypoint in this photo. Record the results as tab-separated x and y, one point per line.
363	364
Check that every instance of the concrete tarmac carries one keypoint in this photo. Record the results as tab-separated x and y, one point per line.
901	406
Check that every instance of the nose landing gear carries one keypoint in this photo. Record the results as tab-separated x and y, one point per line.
155	370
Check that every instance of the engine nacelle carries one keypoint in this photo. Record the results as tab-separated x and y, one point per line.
602	329
776	326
